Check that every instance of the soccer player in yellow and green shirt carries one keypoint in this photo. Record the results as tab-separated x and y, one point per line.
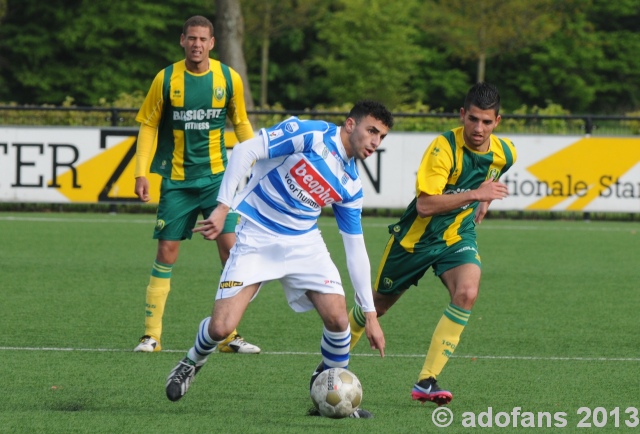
184	114
456	181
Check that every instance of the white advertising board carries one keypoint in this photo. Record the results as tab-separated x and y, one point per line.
557	173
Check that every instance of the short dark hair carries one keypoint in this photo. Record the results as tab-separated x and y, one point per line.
483	95
375	109
197	21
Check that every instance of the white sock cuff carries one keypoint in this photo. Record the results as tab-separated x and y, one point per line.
203	345
337	336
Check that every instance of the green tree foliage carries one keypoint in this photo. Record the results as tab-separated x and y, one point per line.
269	19
280	39
590	66
481	29
87	49
580	55
367	49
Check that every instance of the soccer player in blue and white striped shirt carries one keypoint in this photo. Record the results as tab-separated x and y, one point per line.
297	167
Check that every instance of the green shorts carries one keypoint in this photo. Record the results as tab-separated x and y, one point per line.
181	202
400	269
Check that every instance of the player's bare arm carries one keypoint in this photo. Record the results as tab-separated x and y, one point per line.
374	332
429	205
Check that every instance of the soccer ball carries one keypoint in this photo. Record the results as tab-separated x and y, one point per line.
336	393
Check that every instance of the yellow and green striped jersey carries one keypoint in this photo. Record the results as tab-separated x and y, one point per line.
449	167
189	111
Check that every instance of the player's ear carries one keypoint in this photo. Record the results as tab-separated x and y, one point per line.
349	125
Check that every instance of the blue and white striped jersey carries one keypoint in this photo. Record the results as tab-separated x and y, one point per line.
307	169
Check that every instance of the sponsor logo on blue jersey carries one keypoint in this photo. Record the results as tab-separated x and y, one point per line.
307	177
291	127
275	134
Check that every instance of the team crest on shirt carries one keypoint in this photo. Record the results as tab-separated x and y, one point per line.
325	153
159	224
494	174
291	127
345	179
218	93
387	282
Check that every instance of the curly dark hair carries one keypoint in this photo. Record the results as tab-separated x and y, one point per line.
375	109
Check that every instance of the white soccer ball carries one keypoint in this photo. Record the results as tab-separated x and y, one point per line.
336	393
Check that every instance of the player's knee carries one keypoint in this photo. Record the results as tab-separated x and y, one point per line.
465	298
219	331
336	323
167	252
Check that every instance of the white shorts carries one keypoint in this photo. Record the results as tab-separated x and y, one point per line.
301	263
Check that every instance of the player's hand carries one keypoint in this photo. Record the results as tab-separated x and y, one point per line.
490	190
374	332
212	227
142	188
481	211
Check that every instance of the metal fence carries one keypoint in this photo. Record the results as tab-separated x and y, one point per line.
424	122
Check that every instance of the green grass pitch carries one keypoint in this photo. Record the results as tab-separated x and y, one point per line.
555	330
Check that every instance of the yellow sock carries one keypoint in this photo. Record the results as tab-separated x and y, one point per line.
229	338
444	340
157	294
357	322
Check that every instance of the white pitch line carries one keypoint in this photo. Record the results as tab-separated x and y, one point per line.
564	228
490	225
72	220
303	353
